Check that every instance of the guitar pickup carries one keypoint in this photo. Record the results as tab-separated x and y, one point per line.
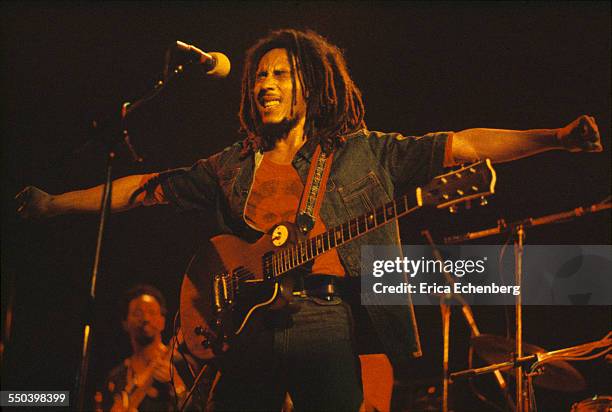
223	290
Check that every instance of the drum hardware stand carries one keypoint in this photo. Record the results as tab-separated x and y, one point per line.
518	231
516	362
445	309
536	361
107	131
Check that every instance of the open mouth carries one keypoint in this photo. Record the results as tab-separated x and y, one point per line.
268	101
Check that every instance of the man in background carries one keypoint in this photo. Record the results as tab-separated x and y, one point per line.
144	381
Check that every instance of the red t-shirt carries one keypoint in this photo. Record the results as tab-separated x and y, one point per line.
275	198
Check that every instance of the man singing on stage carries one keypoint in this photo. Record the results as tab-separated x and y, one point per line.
298	100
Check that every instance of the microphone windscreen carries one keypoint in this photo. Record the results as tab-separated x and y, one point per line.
222	66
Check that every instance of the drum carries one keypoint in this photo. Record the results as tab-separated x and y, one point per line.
597	403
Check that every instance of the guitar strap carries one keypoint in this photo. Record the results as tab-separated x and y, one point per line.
315	183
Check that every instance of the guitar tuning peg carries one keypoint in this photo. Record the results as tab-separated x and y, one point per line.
453	209
483	201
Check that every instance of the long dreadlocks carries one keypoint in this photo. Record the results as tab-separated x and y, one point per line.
334	104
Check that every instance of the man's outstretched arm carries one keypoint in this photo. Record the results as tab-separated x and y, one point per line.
505	145
35	203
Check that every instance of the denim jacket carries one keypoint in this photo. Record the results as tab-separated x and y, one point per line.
370	169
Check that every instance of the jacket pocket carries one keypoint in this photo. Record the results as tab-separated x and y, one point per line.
363	195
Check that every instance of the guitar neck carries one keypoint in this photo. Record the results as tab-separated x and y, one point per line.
306	250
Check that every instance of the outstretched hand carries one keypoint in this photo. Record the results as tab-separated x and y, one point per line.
33	203
581	135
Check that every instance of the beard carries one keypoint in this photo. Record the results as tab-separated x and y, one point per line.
144	337
272	132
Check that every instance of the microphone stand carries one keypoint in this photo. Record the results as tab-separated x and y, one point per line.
108	127
445	309
81	376
519	238
503	227
518	231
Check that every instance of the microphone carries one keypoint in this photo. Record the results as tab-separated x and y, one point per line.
214	63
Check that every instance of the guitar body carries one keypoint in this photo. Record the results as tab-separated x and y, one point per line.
226	284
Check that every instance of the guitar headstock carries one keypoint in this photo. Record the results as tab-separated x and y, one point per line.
476	181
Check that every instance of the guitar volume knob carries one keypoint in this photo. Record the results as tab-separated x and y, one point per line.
199	330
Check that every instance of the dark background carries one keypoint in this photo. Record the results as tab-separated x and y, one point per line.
421	67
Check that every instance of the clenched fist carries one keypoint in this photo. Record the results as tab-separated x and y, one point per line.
581	135
33	203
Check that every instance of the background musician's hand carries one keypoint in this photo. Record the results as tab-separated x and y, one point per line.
33	203
581	135
161	369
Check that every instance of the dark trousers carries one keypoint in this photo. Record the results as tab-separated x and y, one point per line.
309	353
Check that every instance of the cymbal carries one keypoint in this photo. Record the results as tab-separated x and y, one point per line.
557	375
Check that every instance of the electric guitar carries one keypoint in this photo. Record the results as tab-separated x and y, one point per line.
135	391
229	279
